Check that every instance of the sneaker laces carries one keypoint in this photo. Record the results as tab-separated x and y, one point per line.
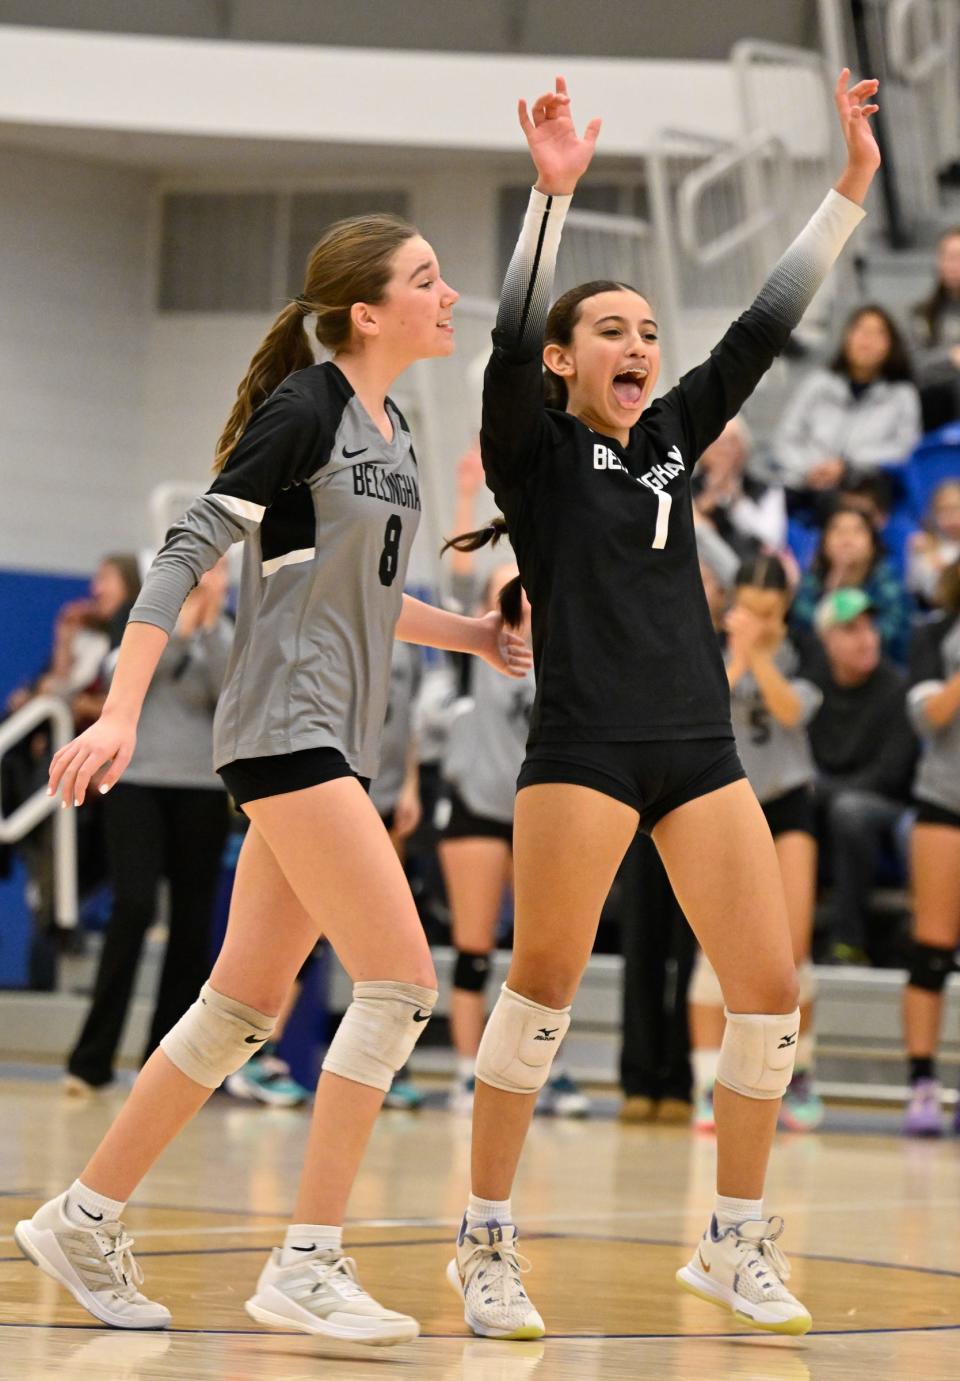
505	1254
765	1249
124	1266
340	1273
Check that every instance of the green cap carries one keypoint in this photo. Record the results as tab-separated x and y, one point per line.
841	606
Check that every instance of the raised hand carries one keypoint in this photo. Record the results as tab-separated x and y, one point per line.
855	106
560	155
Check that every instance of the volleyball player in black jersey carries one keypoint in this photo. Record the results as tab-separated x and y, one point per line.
631	723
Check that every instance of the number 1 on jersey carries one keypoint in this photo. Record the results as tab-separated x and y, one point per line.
390	556
664	500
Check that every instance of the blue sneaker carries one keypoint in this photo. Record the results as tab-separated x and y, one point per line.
267	1079
802	1108
403	1094
562	1097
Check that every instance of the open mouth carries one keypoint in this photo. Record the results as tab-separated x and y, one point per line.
628	385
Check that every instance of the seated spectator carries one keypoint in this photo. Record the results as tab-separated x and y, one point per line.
750	516
849	556
860	414
864	751
935	324
937	545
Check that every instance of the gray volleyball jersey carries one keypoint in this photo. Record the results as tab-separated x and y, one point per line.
488	739
405	677
327	511
934	659
776	759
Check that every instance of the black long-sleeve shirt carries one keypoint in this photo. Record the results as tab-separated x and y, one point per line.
623	643
861	736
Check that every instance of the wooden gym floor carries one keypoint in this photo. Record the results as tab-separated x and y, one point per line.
608	1214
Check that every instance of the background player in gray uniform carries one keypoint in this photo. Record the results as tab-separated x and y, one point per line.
933	702
770	707
318	477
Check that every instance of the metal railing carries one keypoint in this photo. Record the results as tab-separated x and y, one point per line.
922	43
33	811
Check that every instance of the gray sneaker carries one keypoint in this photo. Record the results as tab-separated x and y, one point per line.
96	1264
486	1273
321	1294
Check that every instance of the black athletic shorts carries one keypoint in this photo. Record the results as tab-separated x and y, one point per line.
654	777
453	819
929	814
250	779
791	812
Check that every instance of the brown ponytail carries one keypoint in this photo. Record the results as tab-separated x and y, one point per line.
351	263
511	596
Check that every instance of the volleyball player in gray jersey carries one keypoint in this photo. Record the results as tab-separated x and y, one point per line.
317	476
770	707
933	702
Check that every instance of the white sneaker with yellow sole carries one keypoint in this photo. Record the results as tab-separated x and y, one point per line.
743	1271
486	1273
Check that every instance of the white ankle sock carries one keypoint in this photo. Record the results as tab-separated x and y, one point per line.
87	1209
729	1212
480	1211
303	1238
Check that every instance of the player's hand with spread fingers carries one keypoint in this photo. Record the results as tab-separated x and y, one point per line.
506	651
855	105
560	154
111	740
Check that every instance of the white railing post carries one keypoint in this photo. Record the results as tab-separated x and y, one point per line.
30	813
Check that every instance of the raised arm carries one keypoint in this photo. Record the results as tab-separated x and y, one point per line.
512	390
715	391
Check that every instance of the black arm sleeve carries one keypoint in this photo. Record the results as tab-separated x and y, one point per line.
709	396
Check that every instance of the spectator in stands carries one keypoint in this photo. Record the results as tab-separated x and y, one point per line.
936	332
862	413
850	556
750	516
937	545
934	705
167	818
864	751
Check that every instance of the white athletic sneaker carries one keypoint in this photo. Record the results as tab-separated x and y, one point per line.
96	1264
460	1097
743	1270
321	1294
486	1273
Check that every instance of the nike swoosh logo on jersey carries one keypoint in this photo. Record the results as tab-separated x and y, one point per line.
349	455
421	1016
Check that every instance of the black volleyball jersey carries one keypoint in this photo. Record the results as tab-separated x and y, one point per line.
624	648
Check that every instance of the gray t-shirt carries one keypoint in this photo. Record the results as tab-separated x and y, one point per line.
175	732
935	658
327	510
488	740
405	676
776	759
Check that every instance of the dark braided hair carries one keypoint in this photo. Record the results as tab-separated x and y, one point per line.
511	596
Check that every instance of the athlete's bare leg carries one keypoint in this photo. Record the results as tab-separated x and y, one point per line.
723	868
797	855
312	861
475	872
568	844
935	880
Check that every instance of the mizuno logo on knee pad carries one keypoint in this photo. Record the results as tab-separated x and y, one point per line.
547	1033
513	1054
787	1041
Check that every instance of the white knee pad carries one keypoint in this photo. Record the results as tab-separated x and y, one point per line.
807	978
378	1032
215	1037
520	1043
704	989
758	1053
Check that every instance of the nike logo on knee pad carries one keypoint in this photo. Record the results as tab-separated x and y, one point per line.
421	1016
255	1040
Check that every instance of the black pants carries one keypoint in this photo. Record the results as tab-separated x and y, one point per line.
153	832
658	954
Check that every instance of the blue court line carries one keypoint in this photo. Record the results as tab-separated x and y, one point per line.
549	1337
